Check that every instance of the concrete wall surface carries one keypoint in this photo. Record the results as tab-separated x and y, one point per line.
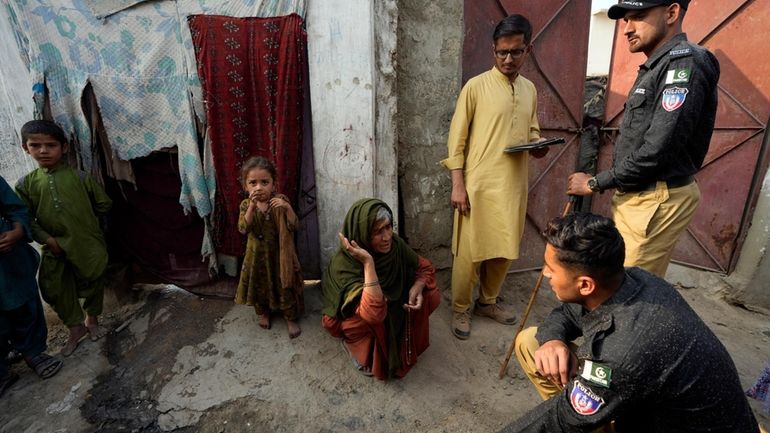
751	278
16	104
430	37
352	159
600	42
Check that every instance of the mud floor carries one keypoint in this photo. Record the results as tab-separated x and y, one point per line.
184	363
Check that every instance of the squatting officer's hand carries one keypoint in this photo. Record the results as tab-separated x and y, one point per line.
555	362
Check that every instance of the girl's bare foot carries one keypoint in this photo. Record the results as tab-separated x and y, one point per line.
264	321
294	329
77	334
94	330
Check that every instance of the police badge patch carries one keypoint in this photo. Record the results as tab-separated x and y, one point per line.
584	400
673	98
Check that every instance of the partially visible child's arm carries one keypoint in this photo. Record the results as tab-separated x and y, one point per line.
246	218
280	202
9	239
13	210
101	202
53	246
39	234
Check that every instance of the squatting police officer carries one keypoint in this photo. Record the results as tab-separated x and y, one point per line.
646	362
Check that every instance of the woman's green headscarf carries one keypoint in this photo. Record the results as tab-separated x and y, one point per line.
343	280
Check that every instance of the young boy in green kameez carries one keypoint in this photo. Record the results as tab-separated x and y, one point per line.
64	207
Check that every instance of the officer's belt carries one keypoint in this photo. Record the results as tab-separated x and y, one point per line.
674	182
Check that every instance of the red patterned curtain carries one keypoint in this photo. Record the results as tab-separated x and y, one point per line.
252	71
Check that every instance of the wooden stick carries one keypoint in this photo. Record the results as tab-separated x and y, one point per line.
531	302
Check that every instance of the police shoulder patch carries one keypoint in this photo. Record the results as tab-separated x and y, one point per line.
583	400
673	98
680	52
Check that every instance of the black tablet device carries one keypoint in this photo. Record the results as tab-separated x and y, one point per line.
534	145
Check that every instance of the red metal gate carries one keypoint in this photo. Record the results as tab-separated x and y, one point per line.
736	162
557	66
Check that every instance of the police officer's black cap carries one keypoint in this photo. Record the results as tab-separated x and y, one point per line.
619	10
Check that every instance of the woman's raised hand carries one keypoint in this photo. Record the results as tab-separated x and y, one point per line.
354	249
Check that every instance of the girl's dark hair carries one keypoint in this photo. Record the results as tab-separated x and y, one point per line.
513	25
257	162
42	127
587	243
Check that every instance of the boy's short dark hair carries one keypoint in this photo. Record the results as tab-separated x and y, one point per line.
42	127
587	243
513	25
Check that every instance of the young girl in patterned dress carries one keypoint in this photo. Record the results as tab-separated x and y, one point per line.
271	279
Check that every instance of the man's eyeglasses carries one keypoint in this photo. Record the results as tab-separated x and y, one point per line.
515	54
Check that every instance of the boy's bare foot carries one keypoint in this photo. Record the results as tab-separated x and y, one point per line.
78	333
264	321
94	330
294	329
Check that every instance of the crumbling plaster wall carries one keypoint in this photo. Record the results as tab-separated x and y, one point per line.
751	278
430	37
351	54
15	104
384	77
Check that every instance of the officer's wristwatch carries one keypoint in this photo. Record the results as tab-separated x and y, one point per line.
593	185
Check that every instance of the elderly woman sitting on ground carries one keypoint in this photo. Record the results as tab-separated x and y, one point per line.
378	293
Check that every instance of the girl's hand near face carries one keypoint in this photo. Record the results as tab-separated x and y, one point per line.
278	202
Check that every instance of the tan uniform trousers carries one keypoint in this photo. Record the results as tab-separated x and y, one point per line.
652	221
467	273
525	346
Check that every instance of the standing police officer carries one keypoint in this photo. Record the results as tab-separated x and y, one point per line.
664	137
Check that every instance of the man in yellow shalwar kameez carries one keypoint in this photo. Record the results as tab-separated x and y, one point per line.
495	109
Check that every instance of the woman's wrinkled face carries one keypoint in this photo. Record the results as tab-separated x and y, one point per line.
381	236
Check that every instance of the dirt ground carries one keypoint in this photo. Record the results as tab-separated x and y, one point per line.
179	362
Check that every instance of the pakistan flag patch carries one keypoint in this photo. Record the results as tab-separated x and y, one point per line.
675	76
597	373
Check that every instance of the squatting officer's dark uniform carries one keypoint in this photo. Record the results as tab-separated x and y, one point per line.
648	362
